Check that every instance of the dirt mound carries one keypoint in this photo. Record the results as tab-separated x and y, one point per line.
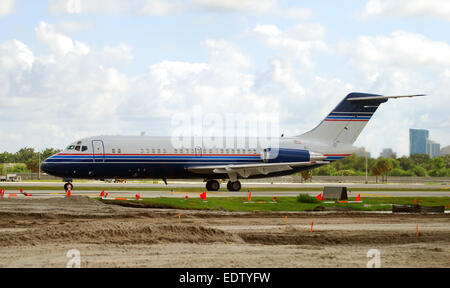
341	237
108	232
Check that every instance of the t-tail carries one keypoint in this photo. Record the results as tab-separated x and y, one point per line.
344	124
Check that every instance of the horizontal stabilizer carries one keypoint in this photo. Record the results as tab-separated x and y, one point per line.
383	97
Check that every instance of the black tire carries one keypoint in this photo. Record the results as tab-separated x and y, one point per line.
212	185
68	186
234	186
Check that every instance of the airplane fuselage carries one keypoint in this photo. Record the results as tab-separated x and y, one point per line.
127	157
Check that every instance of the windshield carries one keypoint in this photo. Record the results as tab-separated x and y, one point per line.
77	148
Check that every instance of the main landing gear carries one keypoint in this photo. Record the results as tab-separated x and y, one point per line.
214	185
234	186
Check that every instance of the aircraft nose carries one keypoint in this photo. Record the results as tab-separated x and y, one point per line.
45	167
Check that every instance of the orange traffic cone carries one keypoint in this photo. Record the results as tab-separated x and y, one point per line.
69	193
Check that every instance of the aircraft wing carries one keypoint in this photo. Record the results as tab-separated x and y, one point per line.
246	170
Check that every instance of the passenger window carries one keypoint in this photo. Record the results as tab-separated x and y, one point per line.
238	151
142	151
84	148
164	151
221	151
210	151
159	151
114	151
148	151
119	151
175	151
153	151
227	151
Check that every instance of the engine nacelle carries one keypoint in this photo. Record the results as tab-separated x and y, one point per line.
270	155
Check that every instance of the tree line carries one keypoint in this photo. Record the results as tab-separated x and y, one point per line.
26	160
414	165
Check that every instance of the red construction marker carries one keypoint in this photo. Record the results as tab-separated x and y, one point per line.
249	196
203	196
138	196
319	197
186	198
358	198
102	194
312	225
69	193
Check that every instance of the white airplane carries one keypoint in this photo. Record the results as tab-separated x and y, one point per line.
128	157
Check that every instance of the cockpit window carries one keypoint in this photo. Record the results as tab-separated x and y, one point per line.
78	148
71	147
84	148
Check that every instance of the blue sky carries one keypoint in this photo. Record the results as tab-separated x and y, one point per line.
121	67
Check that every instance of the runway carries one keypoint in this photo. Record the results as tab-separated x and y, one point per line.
180	193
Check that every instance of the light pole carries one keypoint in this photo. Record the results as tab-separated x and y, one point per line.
39	165
367	180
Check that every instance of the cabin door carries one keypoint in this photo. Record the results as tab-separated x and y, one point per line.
99	151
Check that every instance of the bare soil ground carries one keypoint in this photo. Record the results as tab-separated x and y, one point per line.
40	232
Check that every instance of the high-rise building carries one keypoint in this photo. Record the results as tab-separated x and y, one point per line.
420	144
433	149
387	153
418	141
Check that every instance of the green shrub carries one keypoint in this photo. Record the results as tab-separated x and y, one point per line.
305	198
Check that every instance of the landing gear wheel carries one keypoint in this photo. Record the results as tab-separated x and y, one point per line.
68	186
212	185
234	186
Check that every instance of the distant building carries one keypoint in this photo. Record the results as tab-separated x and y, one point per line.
420	144
418	141
445	150
433	149
361	152
387	153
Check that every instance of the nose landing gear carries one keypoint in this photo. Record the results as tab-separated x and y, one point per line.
68	186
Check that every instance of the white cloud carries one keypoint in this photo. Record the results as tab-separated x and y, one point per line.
165	7
407	8
143	7
7	7
60	43
299	42
398	64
